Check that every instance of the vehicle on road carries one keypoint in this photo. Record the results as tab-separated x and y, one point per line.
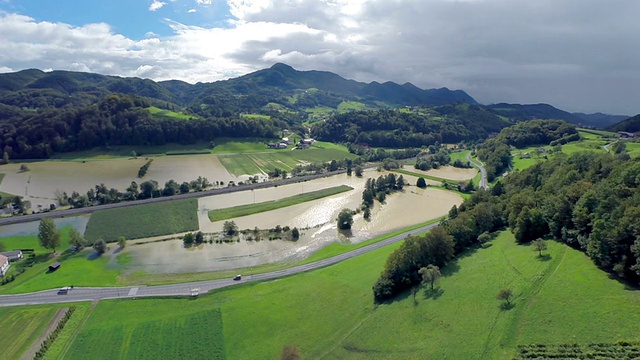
237	277
64	290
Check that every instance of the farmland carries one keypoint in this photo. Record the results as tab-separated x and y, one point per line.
163	113
21	327
143	221
150	329
243	210
329	313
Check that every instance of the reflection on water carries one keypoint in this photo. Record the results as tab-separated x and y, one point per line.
31	228
316	218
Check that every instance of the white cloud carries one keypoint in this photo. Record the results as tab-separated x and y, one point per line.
574	54
4	69
192	10
156	4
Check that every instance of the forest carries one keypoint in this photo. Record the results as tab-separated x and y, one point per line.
588	201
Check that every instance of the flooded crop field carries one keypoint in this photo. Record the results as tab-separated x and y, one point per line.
449	173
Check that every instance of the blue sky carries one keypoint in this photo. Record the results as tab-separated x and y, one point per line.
579	55
131	18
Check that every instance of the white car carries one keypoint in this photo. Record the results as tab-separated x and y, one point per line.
238	277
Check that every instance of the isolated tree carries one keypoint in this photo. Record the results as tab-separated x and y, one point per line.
345	219
539	245
5	157
430	275
295	233
48	234
367	213
358	171
188	239
349	170
134	154
199	238
122	242
230	228
421	183
24	168
291	352
76	239
100	246
505	295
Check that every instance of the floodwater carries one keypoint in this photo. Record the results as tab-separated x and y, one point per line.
450	173
31	228
315	218
39	185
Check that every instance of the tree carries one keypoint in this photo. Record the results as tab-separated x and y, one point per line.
134	154
122	242
358	171
24	168
48	234
349	170
199	238
230	228
76	239
345	219
421	183
505	295
430	275
100	246
5	157
367	213
188	239
295	234
400	182
539	245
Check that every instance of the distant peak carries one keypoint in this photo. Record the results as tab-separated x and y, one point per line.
281	66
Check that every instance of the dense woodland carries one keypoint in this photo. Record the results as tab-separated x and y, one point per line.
589	201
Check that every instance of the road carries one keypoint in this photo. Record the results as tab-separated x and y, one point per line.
484	184
93	294
191	195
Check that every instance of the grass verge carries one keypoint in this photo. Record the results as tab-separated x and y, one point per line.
244	210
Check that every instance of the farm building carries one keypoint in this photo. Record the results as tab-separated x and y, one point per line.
4	265
55	266
277	146
13	255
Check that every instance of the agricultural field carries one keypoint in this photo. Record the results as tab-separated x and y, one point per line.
244	210
347	106
329	313
115	152
163	113
242	145
256	117
285	159
150	329
21	327
143	221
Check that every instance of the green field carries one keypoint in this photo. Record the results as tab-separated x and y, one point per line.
150	329
285	159
244	210
21	327
163	113
256	117
347	106
329	313
143	221
242	145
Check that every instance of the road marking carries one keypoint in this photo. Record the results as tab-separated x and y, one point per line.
133	291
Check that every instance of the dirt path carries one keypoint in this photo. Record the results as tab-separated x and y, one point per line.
53	324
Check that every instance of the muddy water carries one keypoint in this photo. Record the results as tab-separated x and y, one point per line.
31	228
316	218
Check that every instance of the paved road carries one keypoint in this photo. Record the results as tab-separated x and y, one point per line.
227	190
92	294
483	181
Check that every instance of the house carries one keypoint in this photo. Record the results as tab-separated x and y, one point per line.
277	146
287	141
307	141
13	255
526	156
4	265
55	266
626	135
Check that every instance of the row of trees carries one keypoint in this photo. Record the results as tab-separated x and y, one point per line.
378	190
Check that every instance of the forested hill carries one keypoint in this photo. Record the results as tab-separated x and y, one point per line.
631	124
520	112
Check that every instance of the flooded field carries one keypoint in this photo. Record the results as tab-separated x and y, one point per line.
39	185
315	218
450	173
31	228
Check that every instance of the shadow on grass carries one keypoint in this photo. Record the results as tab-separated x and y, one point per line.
94	255
433	293
545	257
507	306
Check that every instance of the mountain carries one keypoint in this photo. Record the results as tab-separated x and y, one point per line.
631	125
599	120
518	112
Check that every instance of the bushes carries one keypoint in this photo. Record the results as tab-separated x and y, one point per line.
143	169
40	354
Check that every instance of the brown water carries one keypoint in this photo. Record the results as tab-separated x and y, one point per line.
31	228
316	218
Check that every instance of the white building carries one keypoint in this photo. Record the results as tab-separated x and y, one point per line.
4	265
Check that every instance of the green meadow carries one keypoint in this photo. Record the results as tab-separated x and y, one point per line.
330	314
21	327
143	221
163	113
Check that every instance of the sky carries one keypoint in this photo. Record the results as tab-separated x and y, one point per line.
578	55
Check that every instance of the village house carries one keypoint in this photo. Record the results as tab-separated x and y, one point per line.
277	145
13	255
626	135
4	265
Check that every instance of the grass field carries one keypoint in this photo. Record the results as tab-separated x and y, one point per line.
243	210
460	155
157	112
256	117
143	221
21	327
150	329
347	106
60	345
285	159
